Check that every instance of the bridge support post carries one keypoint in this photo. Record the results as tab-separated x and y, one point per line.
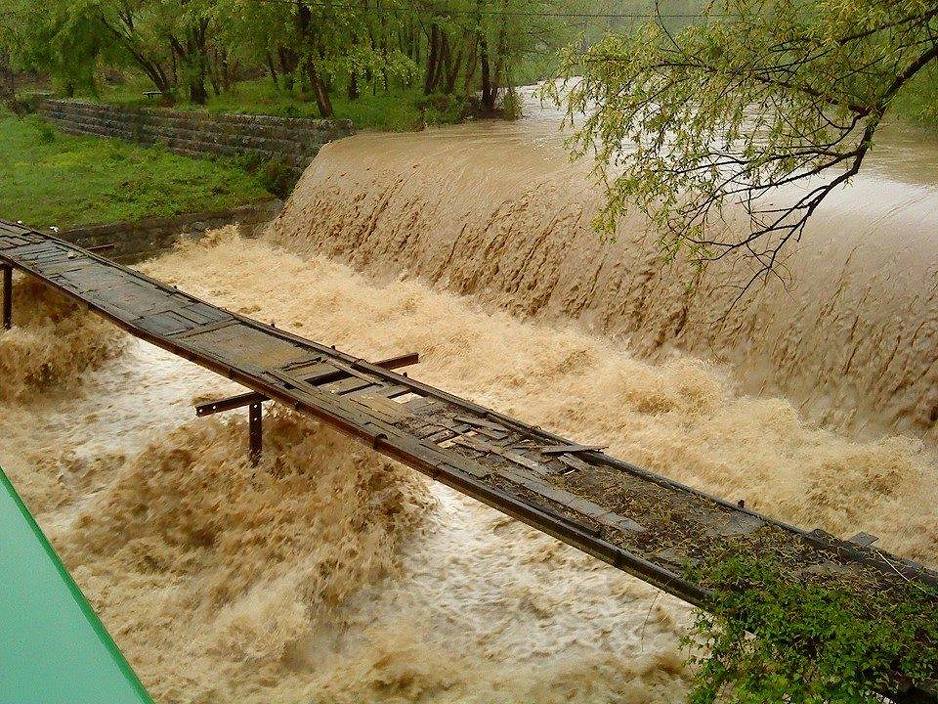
255	432
7	297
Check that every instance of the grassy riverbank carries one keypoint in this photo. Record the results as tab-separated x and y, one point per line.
50	178
399	110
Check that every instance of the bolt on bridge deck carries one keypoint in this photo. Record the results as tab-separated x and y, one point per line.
640	522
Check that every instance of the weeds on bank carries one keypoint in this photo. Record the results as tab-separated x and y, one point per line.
813	645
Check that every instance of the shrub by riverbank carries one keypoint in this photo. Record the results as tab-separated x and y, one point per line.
51	178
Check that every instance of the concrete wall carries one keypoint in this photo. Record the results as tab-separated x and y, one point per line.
293	141
134	242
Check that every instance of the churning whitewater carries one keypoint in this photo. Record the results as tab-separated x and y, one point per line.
331	574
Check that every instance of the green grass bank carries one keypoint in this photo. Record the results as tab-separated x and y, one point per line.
51	178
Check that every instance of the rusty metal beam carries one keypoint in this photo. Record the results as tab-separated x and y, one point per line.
230	403
7	297
255	432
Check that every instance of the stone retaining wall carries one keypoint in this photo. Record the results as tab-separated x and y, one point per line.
136	241
290	140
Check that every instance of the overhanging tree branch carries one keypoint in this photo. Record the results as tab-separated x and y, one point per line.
770	102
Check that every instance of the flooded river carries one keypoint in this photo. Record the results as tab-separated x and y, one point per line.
497	211
329	574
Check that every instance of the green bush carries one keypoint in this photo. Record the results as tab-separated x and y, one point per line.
511	105
812	644
274	174
252	162
442	108
277	178
917	102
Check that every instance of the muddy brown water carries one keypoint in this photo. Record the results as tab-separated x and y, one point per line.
332	575
497	211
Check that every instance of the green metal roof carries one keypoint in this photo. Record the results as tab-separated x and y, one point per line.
53	649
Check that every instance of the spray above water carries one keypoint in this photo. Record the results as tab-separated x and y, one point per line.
225	568
52	343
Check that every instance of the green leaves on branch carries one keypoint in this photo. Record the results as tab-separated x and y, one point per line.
730	134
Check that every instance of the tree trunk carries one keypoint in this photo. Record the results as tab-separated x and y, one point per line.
353	86
446	59
194	56
472	63
197	92
225	70
489	90
156	74
198	62
500	78
319	89
215	73
153	70
453	75
288	63
433	59
272	70
308	40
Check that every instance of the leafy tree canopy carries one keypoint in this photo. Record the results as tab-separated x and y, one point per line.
454	48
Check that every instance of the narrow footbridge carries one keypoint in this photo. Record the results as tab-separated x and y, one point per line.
640	522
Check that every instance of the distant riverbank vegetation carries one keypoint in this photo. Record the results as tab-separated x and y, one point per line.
918	103
383	63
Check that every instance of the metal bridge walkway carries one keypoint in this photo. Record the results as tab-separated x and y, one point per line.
638	521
